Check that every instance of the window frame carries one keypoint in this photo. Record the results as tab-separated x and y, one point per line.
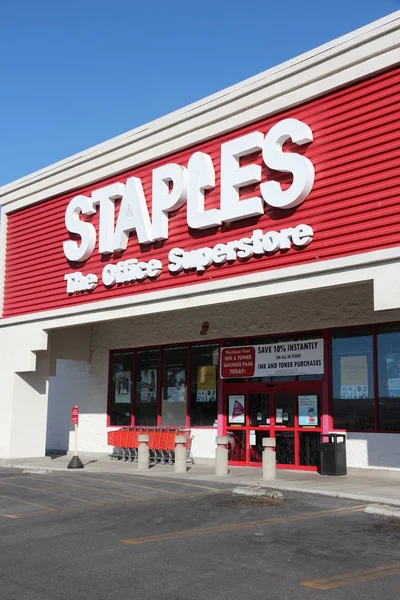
134	389
160	347
374	332
110	385
327	380
354	332
220	342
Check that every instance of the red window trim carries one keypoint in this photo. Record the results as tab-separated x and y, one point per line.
159	397
373	329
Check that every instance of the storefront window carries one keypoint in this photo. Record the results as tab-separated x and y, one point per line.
121	388
147	386
174	386
203	384
389	379
353	380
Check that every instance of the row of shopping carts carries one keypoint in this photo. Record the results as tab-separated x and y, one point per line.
125	443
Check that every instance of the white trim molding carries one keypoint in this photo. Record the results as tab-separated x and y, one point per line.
334	272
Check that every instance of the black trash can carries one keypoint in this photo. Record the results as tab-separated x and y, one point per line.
333	454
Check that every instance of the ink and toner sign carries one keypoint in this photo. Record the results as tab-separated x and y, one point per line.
302	357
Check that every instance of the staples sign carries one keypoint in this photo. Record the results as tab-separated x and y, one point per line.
172	186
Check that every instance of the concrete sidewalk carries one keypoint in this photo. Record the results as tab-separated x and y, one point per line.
371	486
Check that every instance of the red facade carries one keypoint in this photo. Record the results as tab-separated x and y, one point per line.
352	207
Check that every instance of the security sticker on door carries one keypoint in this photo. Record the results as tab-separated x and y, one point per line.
252	437
236	410
308	411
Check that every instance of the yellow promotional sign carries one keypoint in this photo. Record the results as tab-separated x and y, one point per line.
207	383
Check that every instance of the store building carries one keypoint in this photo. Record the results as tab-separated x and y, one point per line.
232	267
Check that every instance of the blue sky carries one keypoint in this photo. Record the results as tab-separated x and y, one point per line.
78	72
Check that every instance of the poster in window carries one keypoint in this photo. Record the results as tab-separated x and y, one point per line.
176	385
308	411
393	375
207	384
148	386
354	377
236	410
123	387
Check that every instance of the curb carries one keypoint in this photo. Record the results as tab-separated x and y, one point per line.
383	509
257	492
34	471
344	495
31	468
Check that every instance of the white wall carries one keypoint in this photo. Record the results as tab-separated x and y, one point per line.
68	387
24	368
203	443
373	450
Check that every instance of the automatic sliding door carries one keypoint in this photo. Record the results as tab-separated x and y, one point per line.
236	426
285	408
259	421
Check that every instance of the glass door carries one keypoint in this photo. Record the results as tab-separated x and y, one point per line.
259	422
297	424
248	420
236	423
290	412
284	427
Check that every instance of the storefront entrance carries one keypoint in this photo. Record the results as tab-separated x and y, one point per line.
287	411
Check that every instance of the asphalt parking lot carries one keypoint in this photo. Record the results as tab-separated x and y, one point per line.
86	536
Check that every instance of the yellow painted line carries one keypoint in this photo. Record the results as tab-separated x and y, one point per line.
50	491
163	491
145	487
329	583
46	508
94	489
173	481
149	487
24	515
237	526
